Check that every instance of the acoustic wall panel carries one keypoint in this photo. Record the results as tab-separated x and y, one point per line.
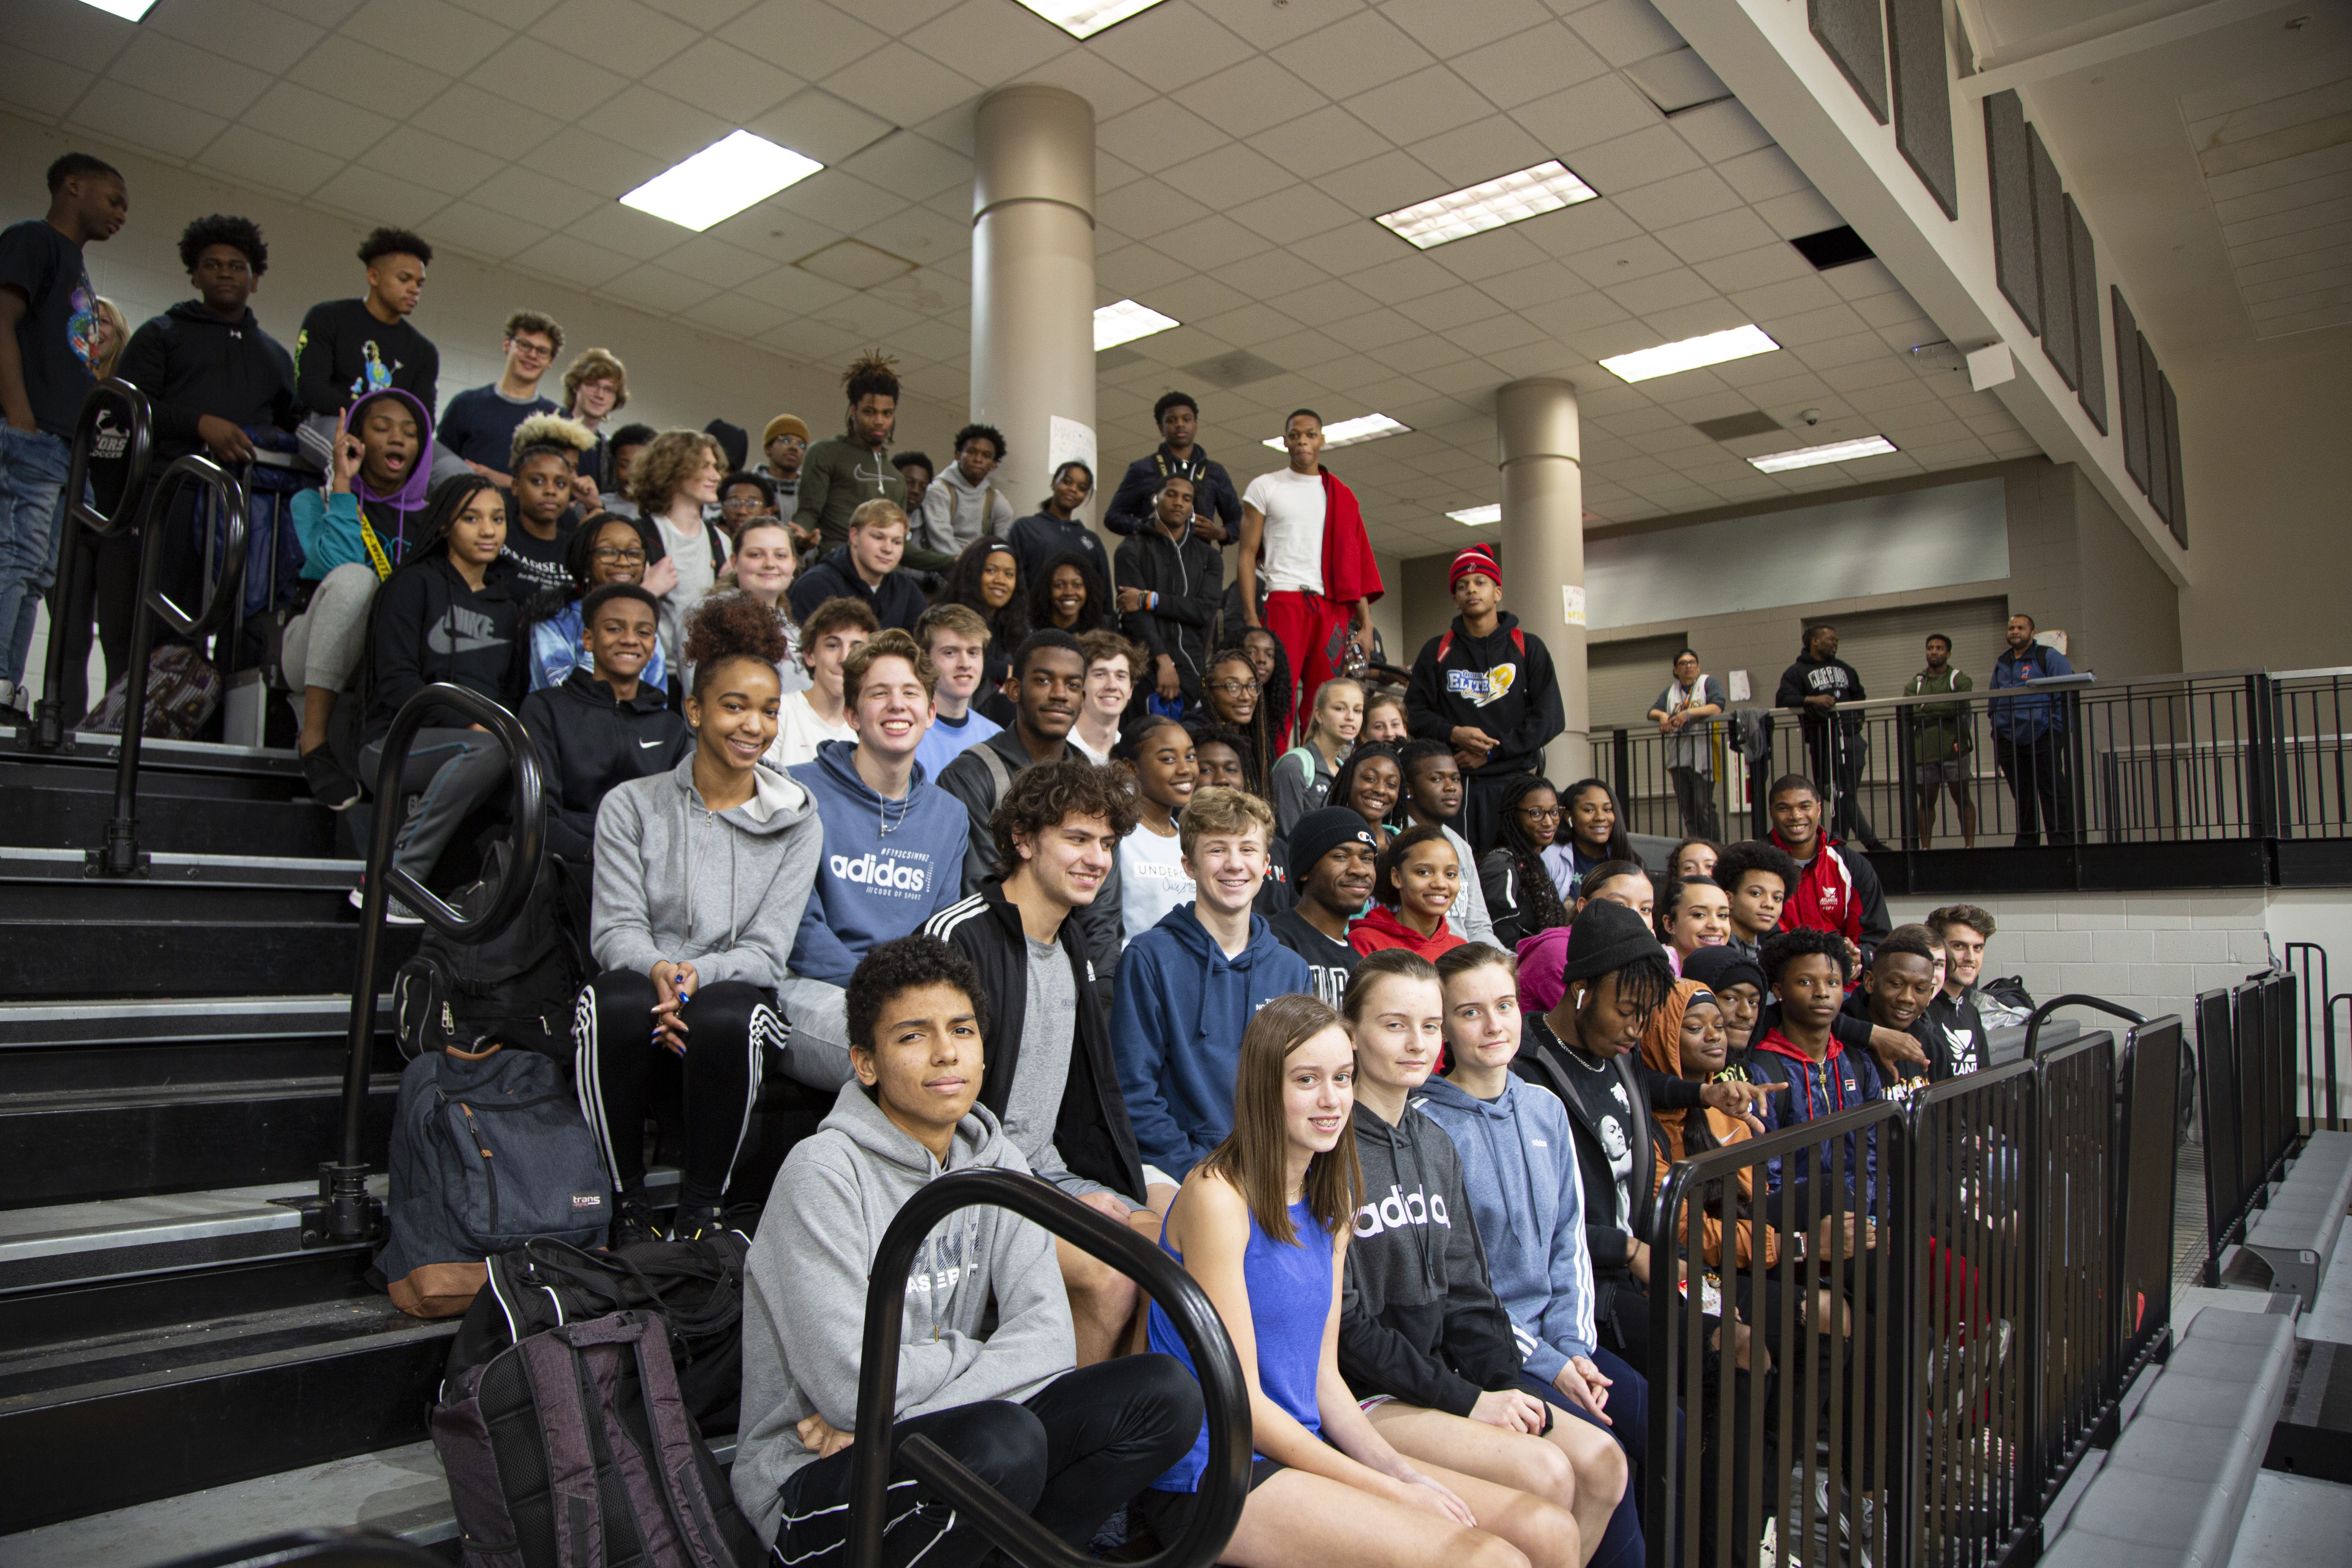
1923	97
2012	207
2058	336
2179	516
2159	448
2130	392
2083	261
1855	35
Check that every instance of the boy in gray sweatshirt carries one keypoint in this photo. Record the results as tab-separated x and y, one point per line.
1070	1444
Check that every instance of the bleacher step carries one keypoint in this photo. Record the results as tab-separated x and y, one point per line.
2294	1522
174	1020
84	1243
182	823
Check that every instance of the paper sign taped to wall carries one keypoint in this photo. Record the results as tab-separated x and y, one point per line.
1572	603
1068	441
1740	691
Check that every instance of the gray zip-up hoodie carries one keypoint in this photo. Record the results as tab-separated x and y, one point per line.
676	880
804	1306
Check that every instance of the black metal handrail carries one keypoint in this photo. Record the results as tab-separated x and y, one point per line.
2307	962
1224	1485
93	438
120	856
343	1213
2147	1123
2074	999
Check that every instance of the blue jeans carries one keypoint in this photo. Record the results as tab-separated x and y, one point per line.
32	491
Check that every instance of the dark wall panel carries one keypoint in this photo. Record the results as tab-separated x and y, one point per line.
2058	339
1923	97
2159	447
2130	393
2179	516
2012	207
1854	34
2083	261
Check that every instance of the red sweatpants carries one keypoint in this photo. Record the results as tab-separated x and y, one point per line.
1313	632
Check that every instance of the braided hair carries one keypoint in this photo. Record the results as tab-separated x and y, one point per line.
1540	906
870	375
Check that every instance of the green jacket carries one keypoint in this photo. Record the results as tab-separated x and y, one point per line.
837	477
1941	730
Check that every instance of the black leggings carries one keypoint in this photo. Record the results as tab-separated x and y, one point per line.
1072	1455
730	1026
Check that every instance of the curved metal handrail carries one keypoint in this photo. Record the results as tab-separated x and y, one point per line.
2072	999
1224	1485
92	441
342	1212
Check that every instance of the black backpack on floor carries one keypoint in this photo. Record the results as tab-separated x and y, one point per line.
696	1286
572	1449
520	985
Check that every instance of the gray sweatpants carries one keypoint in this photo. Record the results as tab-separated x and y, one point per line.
323	643
457	770
817	1054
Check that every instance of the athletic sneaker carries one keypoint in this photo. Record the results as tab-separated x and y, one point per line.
329	785
694	1223
395	913
635	1222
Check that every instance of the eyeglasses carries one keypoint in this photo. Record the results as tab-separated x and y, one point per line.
741	503
1540	812
525	349
610	552
1234	688
790	443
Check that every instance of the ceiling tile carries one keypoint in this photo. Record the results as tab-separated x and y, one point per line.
817	124
1209	241
1146	208
1409	276
1764	173
374	197
656	124
1133	272
1110	89
1323	304
1483	149
1303	350
1662	291
1572	317
1394	179
64	31
1891	310
1270	26
807	37
1723	234
1194	299
1172	45
1292	214
1800	212
1626	163
836	199
1252	323
1860	279
1833	352
619	35
44	88
1710	313
271	163
562	85
1606	266
1161	134
1109	172
715	262
533	203
180	73
920	235
637	236
1422	105
656	288
573	260
1598	111
428	32
917	87
482	231
732	316
295	114
1720	132
1776	262
608	167
1343	252
1535	285
1267	274
1256	95
265	39
1623	31
1450	308
1227	176
1355	53
473	118
1446	27
988	40
720	76
1372	329
911	166
433	161
791	291
506	13
362	74
1664	204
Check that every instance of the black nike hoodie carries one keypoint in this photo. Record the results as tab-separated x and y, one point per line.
429	625
1502	683
588	741
191	362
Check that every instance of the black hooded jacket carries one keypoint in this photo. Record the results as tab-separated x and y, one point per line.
898	602
1418	1317
1092	1133
429	625
190	363
1544	1061
1810	677
1502	683
588	741
1189	577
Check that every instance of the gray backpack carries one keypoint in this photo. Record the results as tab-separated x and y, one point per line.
572	1449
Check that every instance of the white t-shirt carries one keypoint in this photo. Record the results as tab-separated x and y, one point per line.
799	731
1152	879
1079	743
690	552
1293	505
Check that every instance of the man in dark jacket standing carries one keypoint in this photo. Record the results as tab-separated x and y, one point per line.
1813	687
1486	689
1135	506
1050	1077
1169	582
602	726
2029	736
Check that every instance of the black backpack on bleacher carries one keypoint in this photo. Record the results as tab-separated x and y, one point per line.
519	985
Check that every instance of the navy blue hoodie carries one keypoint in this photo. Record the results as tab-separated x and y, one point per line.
1176	1025
890	865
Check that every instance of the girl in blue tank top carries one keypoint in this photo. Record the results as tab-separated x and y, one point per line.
1262	1225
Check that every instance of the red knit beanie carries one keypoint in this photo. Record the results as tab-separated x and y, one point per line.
1476	558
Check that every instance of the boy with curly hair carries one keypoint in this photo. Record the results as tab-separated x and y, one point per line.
843	472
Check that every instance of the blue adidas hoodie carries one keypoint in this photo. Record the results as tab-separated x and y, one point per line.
890	865
1176	1026
1519	1161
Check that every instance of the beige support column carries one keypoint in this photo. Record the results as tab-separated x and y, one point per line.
1033	285
1539	450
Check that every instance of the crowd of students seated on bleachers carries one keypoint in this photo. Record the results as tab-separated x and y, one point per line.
1083	868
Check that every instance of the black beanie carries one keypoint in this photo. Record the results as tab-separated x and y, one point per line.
1605	938
1319	832
1716	967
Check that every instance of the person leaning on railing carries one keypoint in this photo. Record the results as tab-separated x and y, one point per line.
1943	737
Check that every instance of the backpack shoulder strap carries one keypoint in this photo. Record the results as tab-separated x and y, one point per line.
674	1460
1445	645
999	773
1519	641
574	1504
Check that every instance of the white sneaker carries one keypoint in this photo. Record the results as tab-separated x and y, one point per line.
395	913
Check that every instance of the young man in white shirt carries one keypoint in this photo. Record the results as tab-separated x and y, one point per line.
1111	663
805	719
956	641
1303	532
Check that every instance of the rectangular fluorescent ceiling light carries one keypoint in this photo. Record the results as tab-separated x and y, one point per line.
1546	188
1690	354
1814	456
1085	18
128	10
732	174
1478	516
1126	322
1348	432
